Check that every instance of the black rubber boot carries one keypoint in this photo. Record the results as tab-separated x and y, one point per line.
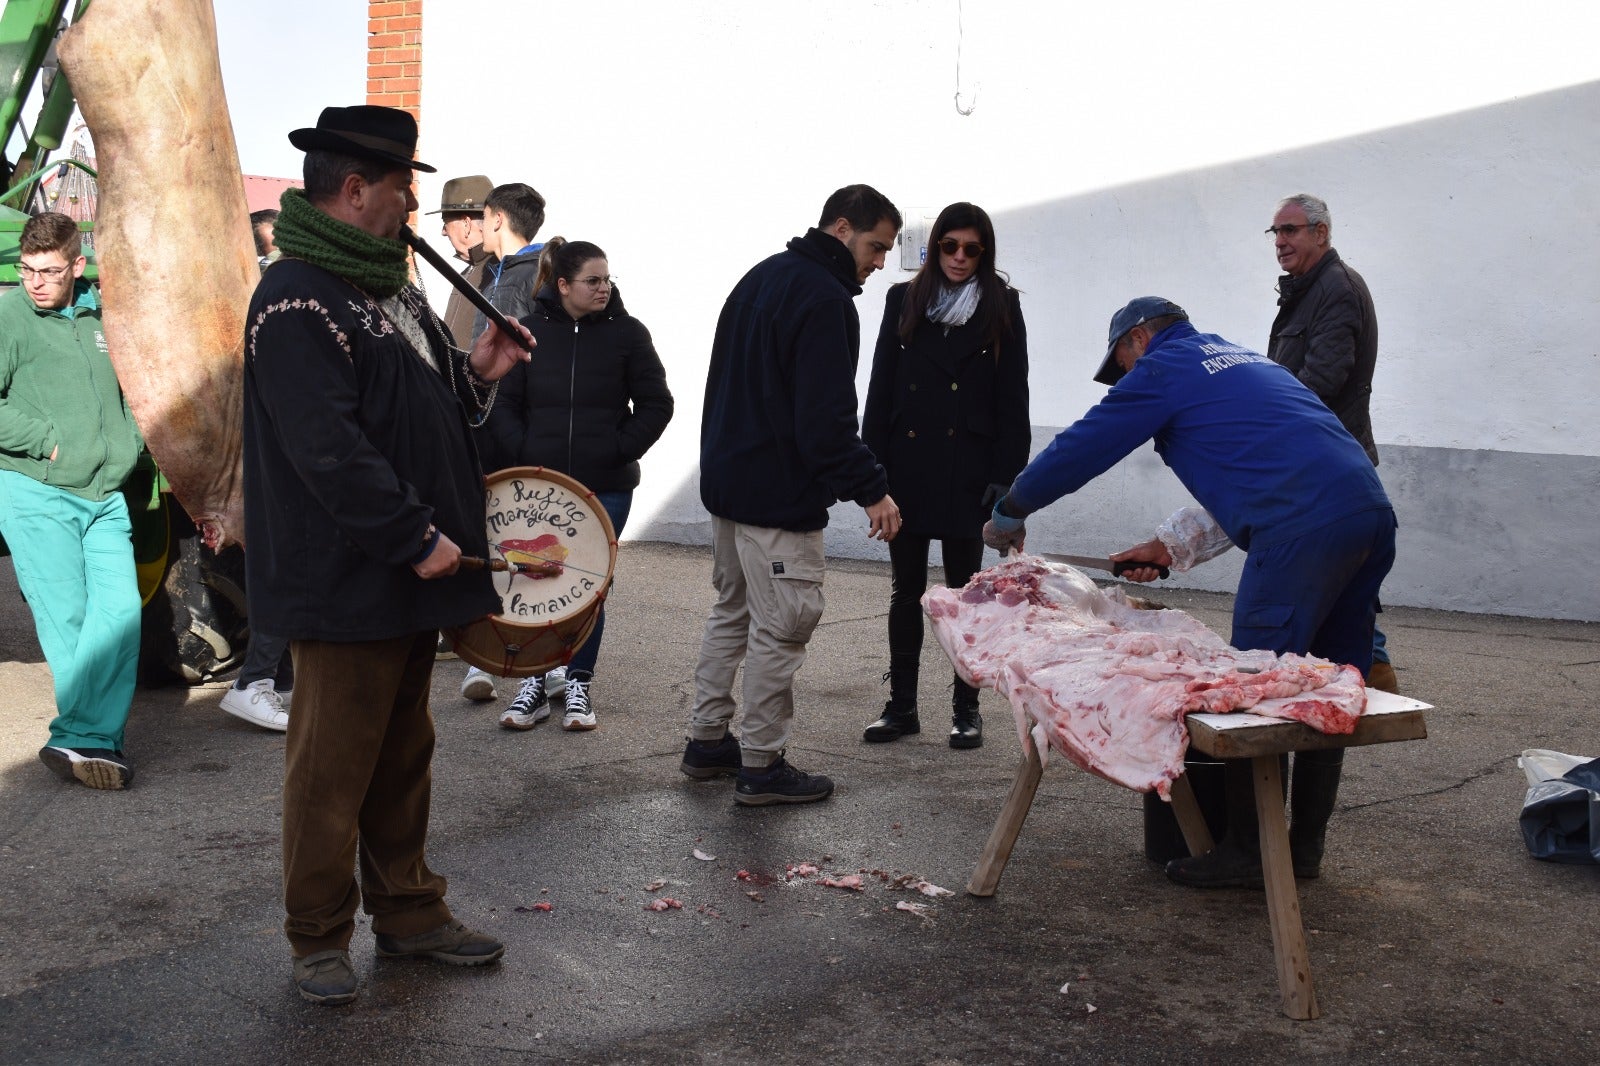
895	722
1313	790
966	724
1235	860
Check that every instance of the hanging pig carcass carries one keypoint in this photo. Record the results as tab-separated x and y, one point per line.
172	239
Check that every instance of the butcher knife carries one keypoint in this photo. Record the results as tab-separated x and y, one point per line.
1115	569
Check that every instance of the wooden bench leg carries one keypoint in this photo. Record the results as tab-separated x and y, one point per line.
1283	901
997	851
1196	834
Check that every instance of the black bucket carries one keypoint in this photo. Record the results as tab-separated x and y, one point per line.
1163	840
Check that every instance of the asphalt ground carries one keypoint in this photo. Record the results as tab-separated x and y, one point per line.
145	926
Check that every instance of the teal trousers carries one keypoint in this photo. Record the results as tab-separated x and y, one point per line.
74	562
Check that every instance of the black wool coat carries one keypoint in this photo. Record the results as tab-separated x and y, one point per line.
947	416
593	399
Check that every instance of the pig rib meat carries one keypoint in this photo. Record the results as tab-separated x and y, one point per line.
1111	684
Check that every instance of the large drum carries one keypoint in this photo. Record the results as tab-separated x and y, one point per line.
561	551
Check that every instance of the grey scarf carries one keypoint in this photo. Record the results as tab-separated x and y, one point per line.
952	307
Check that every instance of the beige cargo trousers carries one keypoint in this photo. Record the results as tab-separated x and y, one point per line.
769	600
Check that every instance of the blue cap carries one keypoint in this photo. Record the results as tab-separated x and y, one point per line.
1137	312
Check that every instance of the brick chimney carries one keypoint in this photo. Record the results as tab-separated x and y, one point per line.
394	54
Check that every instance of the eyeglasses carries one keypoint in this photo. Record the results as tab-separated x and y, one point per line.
594	281
1290	229
949	245
47	273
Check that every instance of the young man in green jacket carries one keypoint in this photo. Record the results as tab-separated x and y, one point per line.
67	442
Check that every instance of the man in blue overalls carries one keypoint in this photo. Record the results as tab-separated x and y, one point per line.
1276	474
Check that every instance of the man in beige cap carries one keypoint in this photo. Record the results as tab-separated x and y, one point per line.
462	208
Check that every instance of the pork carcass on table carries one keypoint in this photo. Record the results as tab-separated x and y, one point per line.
1108	684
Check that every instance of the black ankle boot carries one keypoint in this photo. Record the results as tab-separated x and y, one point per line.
898	720
1312	791
966	724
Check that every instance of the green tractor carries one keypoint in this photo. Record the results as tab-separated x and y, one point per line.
195	627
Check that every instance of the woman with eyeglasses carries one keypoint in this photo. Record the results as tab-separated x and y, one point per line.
947	416
593	400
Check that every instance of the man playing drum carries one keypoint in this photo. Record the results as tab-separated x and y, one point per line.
360	483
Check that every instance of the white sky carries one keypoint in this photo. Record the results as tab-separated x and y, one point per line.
282	63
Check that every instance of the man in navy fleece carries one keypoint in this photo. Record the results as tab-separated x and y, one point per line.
1276	474
779	443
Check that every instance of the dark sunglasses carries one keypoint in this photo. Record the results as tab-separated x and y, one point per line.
949	245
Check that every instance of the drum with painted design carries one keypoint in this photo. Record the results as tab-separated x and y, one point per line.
555	527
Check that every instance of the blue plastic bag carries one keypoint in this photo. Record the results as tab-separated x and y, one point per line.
1561	813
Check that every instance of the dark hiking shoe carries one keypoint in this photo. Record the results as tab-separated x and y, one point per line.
325	977
1225	866
452	942
894	723
95	767
705	759
779	783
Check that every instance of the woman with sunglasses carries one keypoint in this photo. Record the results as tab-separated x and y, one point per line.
593	400
947	416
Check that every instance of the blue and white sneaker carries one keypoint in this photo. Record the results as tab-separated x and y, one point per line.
528	707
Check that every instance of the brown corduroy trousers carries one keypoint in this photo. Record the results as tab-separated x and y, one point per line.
357	783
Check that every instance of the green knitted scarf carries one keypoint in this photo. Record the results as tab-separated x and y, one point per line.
375	264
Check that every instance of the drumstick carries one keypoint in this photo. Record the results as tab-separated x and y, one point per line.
477	299
541	568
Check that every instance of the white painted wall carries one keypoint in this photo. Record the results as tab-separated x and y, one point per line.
1121	152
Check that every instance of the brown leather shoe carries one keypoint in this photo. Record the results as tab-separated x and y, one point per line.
1381	677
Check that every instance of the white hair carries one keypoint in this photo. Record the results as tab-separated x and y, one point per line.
1316	209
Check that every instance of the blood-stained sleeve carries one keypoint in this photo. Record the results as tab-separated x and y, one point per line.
826	433
299	361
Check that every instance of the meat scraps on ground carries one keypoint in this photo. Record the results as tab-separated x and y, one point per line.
1109	684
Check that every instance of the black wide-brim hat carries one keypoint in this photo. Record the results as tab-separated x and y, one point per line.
365	131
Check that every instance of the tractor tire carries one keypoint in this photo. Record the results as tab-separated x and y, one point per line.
195	627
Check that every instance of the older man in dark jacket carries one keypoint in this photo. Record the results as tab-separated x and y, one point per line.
1326	332
779	444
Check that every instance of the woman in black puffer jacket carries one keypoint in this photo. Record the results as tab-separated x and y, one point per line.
593	400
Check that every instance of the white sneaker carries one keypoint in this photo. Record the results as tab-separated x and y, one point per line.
528	707
478	686
555	682
259	704
444	650
579	716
